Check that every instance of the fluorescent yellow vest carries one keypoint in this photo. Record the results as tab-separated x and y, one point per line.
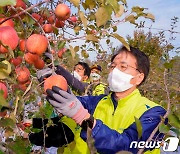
99	89
134	105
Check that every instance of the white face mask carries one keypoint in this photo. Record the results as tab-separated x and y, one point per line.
76	75
119	81
94	76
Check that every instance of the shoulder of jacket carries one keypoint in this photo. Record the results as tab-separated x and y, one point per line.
148	103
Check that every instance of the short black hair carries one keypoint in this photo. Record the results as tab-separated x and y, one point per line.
86	67
143	63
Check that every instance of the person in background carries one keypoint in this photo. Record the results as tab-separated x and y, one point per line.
77	80
96	87
112	118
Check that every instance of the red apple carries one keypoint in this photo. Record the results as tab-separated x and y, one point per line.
38	18
7	23
61	51
20	3
72	19
59	23
62	11
16	61
47	28
8	37
4	89
22	44
50	19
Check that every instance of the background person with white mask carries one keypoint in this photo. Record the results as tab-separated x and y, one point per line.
77	80
96	87
112	117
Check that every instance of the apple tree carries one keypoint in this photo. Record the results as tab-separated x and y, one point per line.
39	34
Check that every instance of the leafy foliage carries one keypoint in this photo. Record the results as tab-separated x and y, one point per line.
96	21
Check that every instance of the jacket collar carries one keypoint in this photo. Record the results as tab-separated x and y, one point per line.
124	100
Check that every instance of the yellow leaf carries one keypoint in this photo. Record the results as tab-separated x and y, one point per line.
121	11
72	51
121	39
150	16
84	54
77	29
28	88
102	16
75	2
76	48
90	4
131	18
114	4
83	18
91	37
5	72
7	2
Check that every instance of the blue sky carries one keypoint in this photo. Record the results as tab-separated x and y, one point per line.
163	10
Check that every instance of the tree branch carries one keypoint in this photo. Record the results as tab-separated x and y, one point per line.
165	116
24	11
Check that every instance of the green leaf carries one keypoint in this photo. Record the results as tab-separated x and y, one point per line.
75	2
138	126
91	37
164	128
55	30
174	120
121	39
20	146
150	16
168	65
28	20
114	4
7	122
3	101
102	16
83	18
61	44
175	130
121	11
7	2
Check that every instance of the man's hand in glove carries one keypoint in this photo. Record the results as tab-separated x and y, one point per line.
43	74
67	104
